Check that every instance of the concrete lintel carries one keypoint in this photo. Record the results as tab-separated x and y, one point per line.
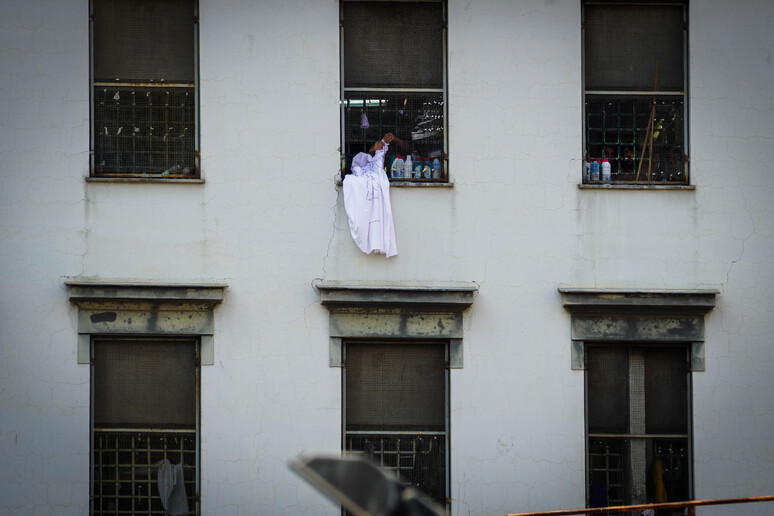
633	329
638	302
440	298
115	292
397	326
113	307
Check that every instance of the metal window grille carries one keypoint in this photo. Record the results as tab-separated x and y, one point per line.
396	404
637	425
126	466
144	97
145	399
635	93
396	78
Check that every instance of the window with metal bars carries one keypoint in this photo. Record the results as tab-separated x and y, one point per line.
394	80
638	432
635	112
396	410
145	406
144	88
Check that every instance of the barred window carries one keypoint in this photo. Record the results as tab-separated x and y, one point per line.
638	440
394	80
395	410
145	425
635	92
144	88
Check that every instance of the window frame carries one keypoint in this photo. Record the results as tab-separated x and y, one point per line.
413	433
650	182
637	317
645	438
168	176
445	179
119	310
144	432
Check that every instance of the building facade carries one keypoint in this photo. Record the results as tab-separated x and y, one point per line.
181	296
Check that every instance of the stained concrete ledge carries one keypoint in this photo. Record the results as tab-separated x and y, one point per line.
638	301
116	307
400	311
415	297
631	315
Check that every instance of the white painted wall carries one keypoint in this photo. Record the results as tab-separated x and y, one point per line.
269	220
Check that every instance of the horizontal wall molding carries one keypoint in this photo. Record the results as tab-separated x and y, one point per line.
579	301
132	308
396	311
647	316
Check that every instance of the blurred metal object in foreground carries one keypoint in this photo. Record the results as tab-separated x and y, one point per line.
362	488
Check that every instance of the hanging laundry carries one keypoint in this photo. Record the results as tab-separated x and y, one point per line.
171	486
367	202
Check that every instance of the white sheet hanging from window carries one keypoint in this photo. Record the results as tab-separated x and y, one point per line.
367	202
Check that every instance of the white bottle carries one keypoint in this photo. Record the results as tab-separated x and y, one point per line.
407	167
397	167
605	170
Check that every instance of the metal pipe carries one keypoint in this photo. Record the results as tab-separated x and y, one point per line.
656	506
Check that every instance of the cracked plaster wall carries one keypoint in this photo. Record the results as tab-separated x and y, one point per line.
268	220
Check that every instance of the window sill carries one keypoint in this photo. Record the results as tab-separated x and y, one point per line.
175	180
609	186
412	184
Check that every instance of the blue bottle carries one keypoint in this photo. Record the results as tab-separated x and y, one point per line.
436	168
417	174
595	170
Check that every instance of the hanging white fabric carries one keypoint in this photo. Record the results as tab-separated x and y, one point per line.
171	486
367	203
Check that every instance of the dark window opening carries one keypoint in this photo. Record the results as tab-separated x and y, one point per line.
395	83
635	93
144	88
144	418
396	403
638	441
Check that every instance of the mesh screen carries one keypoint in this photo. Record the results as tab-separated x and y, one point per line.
623	43
144	40
395	386
144	130
144	384
607	389
647	384
666	391
393	44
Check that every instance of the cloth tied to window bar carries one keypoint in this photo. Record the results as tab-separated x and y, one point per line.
172	488
367	203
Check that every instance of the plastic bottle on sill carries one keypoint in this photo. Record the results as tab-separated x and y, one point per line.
417	172
436	168
595	170
606	170
586	169
407	167
397	167
426	169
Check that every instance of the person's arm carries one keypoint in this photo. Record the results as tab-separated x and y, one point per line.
389	138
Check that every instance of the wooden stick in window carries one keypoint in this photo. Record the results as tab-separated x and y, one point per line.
648	141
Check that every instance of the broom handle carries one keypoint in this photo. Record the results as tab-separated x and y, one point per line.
651	122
